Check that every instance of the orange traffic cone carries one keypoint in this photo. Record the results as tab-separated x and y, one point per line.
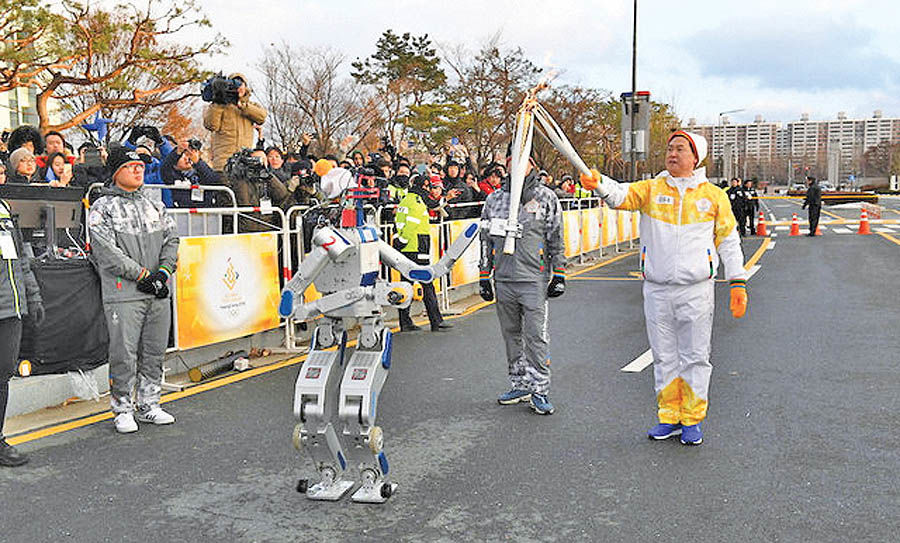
795	226
761	225
818	230
864	223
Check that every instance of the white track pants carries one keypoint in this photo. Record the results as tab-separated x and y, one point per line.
679	327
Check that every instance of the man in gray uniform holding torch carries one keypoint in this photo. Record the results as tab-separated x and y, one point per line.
521	280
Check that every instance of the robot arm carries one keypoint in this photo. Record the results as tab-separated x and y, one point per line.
330	245
424	274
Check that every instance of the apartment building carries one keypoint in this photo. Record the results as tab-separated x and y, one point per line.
774	150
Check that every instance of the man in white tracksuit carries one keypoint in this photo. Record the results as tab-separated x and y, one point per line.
686	226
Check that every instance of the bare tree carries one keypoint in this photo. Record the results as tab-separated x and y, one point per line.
304	91
489	86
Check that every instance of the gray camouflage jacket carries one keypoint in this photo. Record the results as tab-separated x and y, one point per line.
18	287
130	232
539	251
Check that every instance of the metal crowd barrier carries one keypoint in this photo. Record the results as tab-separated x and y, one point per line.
187	228
293	246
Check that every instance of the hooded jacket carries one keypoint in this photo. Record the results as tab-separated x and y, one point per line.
540	249
18	287
130	232
232	126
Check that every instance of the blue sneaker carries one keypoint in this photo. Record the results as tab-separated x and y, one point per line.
514	396
664	431
691	435
541	404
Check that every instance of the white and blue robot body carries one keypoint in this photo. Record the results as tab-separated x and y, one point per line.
336	394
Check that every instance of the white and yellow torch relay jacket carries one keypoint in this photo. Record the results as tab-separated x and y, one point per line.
686	227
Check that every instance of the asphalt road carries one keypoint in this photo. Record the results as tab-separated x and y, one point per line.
801	443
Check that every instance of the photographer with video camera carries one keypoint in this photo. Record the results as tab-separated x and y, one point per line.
183	167
254	186
230	116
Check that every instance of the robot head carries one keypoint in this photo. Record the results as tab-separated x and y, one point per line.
366	192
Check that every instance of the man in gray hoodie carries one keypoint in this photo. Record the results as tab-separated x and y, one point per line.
522	285
135	245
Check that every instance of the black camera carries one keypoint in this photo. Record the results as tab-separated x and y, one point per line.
92	157
242	165
387	147
195	144
219	89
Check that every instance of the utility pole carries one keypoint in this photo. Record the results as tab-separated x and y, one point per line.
633	92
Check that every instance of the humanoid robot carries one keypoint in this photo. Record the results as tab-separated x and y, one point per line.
336	394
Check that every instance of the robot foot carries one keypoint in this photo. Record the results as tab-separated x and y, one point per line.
325	492
379	492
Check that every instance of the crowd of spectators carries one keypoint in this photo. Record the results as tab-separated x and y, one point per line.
260	174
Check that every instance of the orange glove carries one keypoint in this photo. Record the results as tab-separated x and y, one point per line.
590	182
738	298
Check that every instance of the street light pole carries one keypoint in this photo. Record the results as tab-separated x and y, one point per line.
722	129
633	92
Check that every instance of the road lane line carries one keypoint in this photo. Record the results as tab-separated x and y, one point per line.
753	271
889	238
601	264
758	254
771	246
638	364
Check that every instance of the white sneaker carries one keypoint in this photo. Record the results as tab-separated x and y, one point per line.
125	423
155	415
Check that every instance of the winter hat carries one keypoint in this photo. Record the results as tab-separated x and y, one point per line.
17	156
697	142
322	167
120	156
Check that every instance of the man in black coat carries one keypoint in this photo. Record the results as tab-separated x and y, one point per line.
814	201
738	199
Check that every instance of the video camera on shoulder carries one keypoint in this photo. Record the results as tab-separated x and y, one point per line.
219	89
242	165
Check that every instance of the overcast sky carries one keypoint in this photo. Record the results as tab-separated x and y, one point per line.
775	58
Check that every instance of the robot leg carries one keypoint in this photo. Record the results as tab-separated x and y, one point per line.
363	379
315	405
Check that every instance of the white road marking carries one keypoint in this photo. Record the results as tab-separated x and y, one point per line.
781	228
771	246
885	230
753	270
839	230
638	364
772	217
774	235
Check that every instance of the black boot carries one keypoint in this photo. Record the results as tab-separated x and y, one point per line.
10	456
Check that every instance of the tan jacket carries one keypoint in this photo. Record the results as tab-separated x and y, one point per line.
232	127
